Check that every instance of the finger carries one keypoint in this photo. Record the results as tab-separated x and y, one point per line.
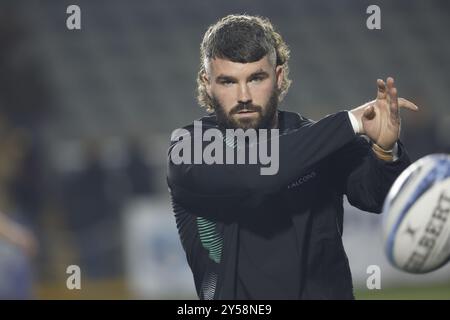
389	85
369	112
381	94
393	105
393	100
390	82
403	103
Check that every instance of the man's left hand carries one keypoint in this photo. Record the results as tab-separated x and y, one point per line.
380	119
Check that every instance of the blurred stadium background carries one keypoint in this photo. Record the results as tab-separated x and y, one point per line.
86	116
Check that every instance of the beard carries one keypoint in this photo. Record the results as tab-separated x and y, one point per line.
265	118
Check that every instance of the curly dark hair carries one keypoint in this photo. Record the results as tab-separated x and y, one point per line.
241	38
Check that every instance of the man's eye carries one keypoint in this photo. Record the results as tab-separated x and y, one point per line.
257	79
226	82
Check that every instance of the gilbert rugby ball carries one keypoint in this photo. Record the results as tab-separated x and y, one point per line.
416	216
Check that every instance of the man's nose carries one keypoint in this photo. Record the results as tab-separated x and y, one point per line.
244	94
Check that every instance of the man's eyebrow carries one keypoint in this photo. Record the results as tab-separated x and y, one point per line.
223	77
258	73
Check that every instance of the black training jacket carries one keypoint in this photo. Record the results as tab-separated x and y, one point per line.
253	236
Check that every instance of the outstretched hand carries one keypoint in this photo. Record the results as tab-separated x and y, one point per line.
380	119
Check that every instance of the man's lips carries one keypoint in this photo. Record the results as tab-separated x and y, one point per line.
246	114
246	111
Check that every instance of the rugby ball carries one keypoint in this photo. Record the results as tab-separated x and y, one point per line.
416	216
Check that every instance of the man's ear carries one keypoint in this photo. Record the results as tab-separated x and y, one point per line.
279	74
207	83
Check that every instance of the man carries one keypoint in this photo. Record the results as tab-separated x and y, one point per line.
253	236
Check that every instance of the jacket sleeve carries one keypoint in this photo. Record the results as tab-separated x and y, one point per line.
364	178
226	185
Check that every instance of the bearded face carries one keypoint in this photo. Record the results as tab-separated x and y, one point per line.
248	115
244	95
